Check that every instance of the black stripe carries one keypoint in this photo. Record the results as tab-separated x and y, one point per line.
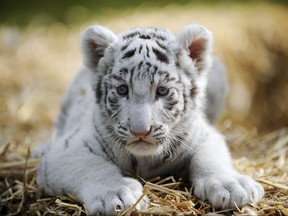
70	137
102	143
122	133
161	46
160	37
158	128
148	65
185	101
131	35
114	107
176	114
147	50
155	69
158	134
152	75
131	75
117	77
193	91
160	56
171	104
177	63
163	73
87	146
118	207
140	65
160	140
138	75
98	93
145	37
166	76
112	100
140	49
124	47
124	71
123	128
129	54
93	152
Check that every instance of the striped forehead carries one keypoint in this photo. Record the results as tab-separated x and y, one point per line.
146	44
144	54
145	50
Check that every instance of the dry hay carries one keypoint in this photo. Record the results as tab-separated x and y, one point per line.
19	193
36	65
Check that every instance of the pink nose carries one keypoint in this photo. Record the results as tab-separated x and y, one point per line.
140	134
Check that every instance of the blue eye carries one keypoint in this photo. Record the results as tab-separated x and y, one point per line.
123	90
162	91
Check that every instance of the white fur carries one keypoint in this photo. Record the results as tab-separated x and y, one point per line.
95	168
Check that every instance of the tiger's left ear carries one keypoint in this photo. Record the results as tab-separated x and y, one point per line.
197	41
95	40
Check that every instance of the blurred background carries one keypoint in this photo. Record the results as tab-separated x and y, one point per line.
40	54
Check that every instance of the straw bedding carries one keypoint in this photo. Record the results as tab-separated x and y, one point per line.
37	64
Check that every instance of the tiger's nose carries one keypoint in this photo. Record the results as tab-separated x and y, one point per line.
142	133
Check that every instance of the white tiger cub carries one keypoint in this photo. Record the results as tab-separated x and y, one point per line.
142	116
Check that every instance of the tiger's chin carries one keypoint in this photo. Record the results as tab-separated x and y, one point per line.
143	148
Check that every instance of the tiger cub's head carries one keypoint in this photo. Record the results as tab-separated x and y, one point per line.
148	83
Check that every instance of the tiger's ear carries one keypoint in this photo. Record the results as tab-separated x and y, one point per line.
197	41
95	40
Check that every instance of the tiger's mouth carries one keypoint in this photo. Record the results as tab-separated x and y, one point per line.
140	142
143	147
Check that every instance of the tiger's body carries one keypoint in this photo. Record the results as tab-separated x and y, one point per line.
138	109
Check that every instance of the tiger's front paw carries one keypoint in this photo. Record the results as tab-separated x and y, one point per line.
108	200
224	191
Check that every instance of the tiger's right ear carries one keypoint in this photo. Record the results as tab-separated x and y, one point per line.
197	41
95	40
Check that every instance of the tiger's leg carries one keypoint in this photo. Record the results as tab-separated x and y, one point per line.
214	178
74	166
